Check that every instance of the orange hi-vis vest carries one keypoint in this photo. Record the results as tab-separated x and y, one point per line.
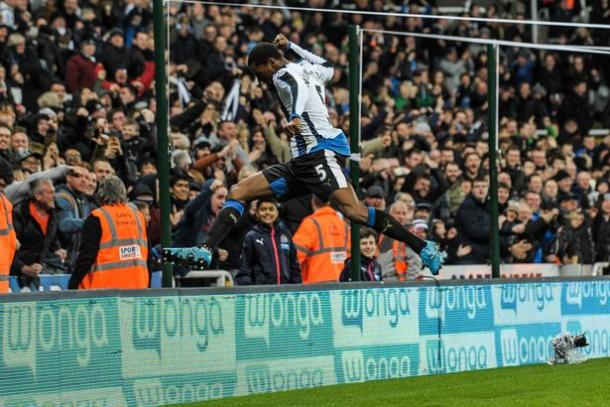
8	242
399	257
121	258
322	243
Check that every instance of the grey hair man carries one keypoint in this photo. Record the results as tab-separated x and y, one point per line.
398	261
112	191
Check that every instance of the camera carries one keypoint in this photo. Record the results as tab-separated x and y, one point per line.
566	347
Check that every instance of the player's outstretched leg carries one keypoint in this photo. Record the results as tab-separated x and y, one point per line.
346	201
246	190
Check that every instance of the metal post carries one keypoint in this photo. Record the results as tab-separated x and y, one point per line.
534	11
162	116
492	119
354	133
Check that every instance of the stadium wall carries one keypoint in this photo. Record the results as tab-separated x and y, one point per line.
167	346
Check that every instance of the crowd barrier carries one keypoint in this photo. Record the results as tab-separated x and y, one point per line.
222	278
166	346
59	282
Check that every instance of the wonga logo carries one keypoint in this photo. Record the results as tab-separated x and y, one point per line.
390	304
514	294
443	357
153	328
266	323
378	362
597	333
587	297
75	330
300	311
527	344
465	308
285	374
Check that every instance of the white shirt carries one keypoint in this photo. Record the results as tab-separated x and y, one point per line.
300	89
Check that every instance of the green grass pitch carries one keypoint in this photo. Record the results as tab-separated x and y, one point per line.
587	384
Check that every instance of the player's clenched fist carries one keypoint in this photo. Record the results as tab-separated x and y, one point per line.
280	41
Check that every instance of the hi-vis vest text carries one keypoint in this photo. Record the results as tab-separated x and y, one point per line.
121	258
8	242
322	246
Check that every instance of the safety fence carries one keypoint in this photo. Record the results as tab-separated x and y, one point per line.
222	278
166	346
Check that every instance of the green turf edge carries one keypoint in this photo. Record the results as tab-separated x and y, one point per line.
586	384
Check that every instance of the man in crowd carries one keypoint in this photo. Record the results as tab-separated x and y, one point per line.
35	222
73	209
474	223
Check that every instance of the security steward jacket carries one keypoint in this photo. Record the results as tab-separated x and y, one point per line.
322	245
114	250
398	256
8	242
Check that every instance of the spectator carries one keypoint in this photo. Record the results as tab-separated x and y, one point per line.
322	241
268	254
376	198
8	239
454	196
370	270
82	70
577	245
601	230
195	220
5	143
102	169
397	260
35	222
73	209
114	54
114	249
474	224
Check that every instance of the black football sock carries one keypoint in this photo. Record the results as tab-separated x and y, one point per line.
386	224
227	218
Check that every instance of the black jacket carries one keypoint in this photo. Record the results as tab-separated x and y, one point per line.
263	249
35	247
474	224
114	58
601	236
370	270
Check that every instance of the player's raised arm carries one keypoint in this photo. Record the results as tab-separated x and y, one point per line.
325	68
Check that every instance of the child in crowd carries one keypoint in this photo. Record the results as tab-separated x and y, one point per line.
370	270
268	254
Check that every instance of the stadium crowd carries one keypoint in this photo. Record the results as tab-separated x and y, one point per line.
77	106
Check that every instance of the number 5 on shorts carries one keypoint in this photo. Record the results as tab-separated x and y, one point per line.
321	171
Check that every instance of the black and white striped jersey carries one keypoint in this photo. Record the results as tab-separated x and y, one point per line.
300	89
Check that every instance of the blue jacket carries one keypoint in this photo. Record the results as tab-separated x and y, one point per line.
263	250
72	210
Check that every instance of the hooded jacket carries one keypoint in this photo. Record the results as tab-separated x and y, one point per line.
269	257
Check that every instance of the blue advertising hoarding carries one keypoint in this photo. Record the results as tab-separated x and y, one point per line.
178	346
